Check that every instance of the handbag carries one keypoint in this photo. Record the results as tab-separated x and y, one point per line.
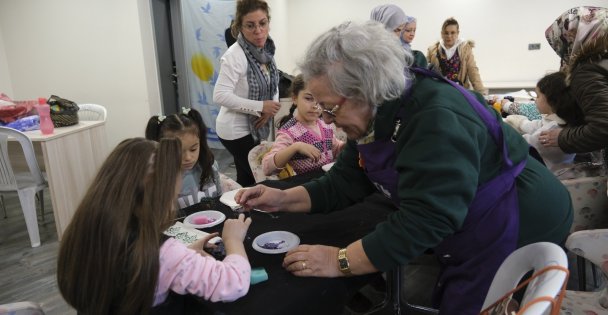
63	111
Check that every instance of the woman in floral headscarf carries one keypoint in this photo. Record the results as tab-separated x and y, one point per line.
580	38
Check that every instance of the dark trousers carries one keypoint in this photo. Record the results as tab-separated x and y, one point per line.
239	148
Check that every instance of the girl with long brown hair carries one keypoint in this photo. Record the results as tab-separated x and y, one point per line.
114	258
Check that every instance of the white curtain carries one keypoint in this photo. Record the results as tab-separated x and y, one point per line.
204	24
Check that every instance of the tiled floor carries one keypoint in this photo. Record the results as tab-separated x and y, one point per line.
226	162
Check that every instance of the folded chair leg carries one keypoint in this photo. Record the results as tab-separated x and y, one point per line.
3	206
395	291
391	297
40	197
582	281
28	205
594	276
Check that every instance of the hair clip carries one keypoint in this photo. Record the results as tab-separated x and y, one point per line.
185	110
161	118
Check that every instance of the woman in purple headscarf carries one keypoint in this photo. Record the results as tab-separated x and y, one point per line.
395	20
404	27
580	37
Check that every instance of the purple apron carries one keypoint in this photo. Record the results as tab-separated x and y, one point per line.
470	257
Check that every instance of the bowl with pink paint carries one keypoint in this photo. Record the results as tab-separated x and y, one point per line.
204	219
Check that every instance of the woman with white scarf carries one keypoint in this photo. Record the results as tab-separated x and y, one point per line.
453	57
403	26
247	86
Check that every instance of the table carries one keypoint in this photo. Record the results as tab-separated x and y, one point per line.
284	293
71	157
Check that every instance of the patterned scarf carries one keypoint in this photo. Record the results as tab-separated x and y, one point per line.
576	28
262	86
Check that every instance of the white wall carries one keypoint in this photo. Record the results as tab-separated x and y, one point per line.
102	51
500	29
89	51
5	80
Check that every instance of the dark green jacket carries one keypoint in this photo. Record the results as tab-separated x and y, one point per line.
444	152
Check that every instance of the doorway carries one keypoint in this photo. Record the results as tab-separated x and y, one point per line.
189	40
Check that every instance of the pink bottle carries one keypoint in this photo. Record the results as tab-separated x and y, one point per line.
44	111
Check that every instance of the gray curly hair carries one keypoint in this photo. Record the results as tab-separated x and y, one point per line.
362	61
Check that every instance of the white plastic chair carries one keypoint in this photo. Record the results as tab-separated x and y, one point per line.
593	246
255	156
26	184
21	308
88	112
532	257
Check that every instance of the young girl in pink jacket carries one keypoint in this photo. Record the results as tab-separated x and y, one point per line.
114	258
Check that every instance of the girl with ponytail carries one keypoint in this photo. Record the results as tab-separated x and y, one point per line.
201	177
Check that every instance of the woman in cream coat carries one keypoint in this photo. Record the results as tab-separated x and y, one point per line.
454	57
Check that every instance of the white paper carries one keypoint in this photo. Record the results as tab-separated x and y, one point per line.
188	235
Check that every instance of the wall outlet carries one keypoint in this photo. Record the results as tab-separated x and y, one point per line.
534	46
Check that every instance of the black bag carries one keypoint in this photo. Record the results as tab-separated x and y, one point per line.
63	112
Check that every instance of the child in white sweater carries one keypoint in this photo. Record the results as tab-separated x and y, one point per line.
556	106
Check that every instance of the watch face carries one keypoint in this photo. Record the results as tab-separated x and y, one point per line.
343	264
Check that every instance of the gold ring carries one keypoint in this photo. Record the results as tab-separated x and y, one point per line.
303	265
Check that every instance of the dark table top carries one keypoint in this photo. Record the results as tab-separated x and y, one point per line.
284	293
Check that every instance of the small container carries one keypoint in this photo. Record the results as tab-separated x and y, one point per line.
44	111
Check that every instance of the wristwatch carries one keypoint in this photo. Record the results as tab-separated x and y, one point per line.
343	262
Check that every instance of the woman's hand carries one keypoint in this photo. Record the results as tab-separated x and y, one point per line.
313	261
271	107
309	150
262	120
203	243
549	138
260	197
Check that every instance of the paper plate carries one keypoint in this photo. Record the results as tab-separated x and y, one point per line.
204	219
188	235
275	242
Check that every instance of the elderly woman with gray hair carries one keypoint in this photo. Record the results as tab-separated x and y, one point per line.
461	181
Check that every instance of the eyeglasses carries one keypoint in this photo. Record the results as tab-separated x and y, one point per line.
251	27
330	114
